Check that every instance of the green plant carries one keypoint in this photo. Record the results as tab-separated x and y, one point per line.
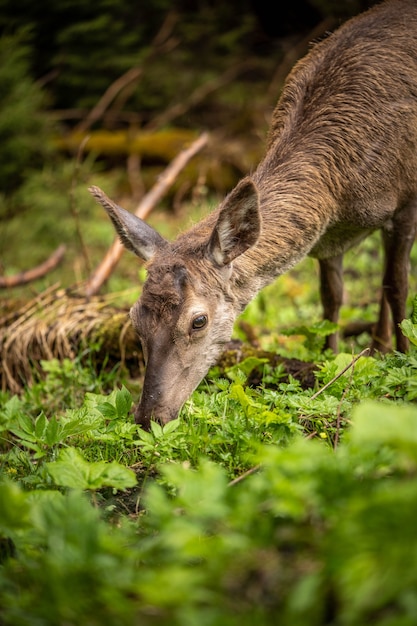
72	470
309	533
409	326
70	566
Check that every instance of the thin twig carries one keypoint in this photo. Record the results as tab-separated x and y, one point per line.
345	369
250	471
22	278
339	408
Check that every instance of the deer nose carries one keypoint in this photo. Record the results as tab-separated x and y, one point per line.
148	409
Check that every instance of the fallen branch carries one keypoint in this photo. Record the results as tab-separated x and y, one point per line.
22	278
58	324
248	472
106	267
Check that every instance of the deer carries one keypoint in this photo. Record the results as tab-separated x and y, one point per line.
340	163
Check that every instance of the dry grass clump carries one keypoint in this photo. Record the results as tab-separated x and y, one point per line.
57	324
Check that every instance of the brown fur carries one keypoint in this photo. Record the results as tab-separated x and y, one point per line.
341	161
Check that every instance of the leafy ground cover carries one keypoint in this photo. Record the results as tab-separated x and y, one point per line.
234	514
230	515
269	499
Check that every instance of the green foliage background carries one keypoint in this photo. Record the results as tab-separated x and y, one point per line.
23	119
58	59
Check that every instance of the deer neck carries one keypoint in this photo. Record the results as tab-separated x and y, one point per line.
293	220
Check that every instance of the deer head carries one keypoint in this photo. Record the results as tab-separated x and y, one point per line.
187	309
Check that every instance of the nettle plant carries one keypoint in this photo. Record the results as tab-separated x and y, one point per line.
296	538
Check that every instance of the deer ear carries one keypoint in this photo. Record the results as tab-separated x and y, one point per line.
238	225
135	234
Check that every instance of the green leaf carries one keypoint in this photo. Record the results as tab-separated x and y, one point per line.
107	410
146	437
54	432
40	426
79	423
25	429
10	412
117	406
156	430
237	392
409	329
391	424
171	426
13	507
72	470
117	476
123	402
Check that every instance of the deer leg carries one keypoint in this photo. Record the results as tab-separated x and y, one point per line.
331	293
398	241
382	331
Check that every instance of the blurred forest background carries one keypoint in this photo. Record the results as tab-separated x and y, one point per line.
108	93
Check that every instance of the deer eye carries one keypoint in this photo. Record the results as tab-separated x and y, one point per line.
199	321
